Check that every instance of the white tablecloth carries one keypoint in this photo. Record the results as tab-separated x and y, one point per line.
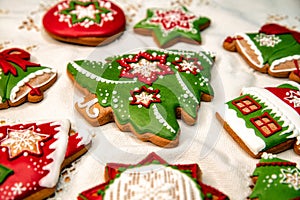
223	163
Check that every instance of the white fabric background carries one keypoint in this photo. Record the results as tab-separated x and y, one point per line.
223	163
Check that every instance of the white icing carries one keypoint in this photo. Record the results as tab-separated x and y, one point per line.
96	77
59	148
161	120
247	135
282	60
153	182
87	105
279	108
15	89
253	47
185	88
266	155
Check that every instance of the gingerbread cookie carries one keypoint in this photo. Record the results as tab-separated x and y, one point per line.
169	26
274	50
91	23
265	119
22	80
144	92
152	178
275	179
32	156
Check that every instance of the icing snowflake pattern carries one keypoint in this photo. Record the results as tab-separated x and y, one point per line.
18	188
188	65
85	14
267	40
173	19
291	177
144	97
293	97
23	141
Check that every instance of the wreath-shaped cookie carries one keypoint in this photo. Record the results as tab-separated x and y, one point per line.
145	92
274	50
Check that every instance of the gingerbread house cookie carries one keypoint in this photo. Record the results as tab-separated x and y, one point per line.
145	92
275	179
169	26
152	178
32	156
91	23
274	50
265	119
22	80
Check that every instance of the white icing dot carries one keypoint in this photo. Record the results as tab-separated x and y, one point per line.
3	149
25	154
274	176
114	92
140	106
104	101
185	96
270	180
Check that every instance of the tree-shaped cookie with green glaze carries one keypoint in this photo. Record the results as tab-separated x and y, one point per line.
169	26
145	92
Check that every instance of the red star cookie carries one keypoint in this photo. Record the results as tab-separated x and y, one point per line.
152	178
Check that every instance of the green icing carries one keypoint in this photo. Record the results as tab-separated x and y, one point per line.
178	89
166	30
270	141
4	173
273	184
9	81
284	45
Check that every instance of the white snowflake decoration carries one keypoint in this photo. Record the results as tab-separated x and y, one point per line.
18	188
291	177
294	98
267	40
145	68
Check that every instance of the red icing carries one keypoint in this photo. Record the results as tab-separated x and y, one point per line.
73	145
16	56
286	94
196	66
52	23
34	91
134	67
113	169
28	166
144	100
275	164
231	39
277	29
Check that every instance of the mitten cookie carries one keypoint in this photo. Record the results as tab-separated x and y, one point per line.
145	92
169	26
265	119
275	179
152	178
22	80
92	22
274	50
32	156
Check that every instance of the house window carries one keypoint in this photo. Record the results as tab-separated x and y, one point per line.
266	124
246	105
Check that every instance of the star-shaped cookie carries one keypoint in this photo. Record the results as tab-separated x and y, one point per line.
169	26
153	178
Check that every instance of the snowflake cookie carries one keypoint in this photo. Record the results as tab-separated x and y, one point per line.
169	26
152	178
265	119
32	156
274	50
91	23
22	80
275	179
145	92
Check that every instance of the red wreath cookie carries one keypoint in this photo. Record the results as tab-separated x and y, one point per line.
32	156
274	49
22	80
92	22
152	178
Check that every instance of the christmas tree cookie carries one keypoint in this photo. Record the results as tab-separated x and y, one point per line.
169	26
32	156
152	178
274	50
91	23
22	80
145	92
275	179
265	119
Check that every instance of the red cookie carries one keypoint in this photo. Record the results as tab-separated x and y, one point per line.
32	156
91	23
